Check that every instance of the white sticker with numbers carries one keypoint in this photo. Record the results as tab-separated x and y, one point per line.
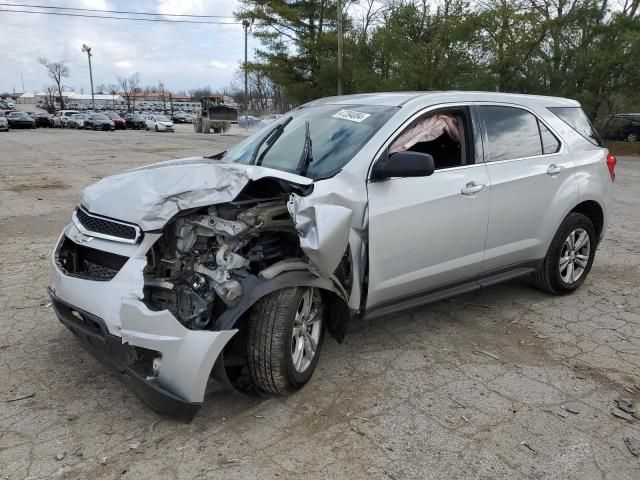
351	115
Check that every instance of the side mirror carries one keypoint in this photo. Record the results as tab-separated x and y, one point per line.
403	164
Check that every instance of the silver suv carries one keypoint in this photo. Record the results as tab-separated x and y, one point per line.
235	265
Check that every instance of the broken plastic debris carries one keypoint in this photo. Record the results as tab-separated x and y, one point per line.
633	444
529	447
616	412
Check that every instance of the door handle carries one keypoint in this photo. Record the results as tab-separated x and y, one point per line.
554	169
472	187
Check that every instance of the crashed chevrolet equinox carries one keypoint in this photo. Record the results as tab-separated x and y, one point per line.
233	266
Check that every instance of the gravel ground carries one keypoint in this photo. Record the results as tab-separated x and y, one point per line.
507	382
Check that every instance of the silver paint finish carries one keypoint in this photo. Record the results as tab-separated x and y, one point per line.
424	232
187	355
414	233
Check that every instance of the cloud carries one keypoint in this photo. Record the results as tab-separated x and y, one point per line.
218	64
182	55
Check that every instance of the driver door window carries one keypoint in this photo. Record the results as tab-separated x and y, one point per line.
444	135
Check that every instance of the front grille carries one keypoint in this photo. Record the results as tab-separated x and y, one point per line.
88	263
104	227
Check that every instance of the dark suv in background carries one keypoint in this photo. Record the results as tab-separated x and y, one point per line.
621	126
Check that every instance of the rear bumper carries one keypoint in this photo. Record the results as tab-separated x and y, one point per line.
113	354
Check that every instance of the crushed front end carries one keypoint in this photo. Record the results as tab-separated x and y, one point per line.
162	307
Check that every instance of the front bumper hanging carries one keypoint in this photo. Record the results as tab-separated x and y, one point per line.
109	350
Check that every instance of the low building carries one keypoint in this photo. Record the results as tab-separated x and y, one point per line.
70	98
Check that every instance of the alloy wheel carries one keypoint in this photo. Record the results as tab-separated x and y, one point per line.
575	255
307	327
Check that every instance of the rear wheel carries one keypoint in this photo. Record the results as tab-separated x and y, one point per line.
285	334
157	129
632	137
570	256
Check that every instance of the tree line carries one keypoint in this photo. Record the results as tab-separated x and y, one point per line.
588	50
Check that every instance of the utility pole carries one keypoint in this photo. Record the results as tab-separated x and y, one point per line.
245	25
339	6
87	49
22	78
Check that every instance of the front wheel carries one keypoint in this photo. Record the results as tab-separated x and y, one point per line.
632	137
285	334
570	256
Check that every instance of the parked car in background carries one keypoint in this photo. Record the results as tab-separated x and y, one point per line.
159	123
21	120
355	206
62	117
43	119
4	123
267	119
99	121
135	121
621	126
117	120
77	120
179	117
249	121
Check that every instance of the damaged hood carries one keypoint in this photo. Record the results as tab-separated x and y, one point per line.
150	196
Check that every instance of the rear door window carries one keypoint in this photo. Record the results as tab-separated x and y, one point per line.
550	144
578	120
512	133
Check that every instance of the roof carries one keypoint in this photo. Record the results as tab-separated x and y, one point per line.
397	99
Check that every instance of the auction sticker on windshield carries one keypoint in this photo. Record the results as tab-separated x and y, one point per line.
351	115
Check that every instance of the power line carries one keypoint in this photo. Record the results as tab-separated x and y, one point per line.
113	11
61	14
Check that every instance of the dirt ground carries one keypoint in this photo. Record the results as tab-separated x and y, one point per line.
505	383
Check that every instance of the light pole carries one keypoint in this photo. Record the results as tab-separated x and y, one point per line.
339	14
245	25
87	49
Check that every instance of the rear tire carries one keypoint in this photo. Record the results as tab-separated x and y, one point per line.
570	256
281	357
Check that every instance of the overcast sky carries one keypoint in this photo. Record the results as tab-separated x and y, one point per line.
184	56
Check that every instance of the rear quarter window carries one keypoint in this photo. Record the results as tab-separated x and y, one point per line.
578	120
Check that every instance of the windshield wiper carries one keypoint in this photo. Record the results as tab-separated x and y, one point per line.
307	156
270	138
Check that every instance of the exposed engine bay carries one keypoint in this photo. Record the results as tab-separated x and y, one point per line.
196	268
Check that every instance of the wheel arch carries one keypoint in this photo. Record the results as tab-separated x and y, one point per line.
592	210
256	288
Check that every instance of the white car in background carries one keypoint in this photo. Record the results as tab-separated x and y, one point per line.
159	123
62	118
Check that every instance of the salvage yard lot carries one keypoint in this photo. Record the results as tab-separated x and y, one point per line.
506	382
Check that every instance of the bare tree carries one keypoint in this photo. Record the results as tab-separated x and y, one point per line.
57	71
130	87
50	99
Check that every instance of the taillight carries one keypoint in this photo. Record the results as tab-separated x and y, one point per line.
611	165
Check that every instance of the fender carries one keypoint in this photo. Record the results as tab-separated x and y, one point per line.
256	287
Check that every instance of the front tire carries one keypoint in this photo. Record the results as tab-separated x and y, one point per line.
570	256
285	334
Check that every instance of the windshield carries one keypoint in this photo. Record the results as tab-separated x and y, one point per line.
100	117
19	115
161	118
337	133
